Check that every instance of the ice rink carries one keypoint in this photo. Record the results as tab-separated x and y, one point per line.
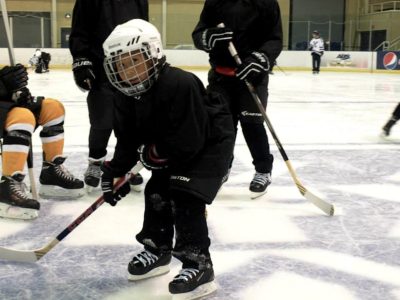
276	247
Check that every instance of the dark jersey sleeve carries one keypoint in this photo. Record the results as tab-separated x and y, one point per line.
273	39
261	30
186	128
125	154
144	7
203	24
82	28
3	91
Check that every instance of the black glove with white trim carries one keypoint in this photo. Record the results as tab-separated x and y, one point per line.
216	37
107	185
150	158
83	73
254	67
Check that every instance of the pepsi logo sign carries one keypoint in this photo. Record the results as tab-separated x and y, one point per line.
390	61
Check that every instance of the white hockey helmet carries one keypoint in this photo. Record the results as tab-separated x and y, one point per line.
133	56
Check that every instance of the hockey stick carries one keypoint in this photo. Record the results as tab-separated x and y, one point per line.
280	69
35	255
29	159
326	207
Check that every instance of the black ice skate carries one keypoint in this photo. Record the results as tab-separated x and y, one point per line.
14	202
388	126
92	174
146	264
57	182
192	284
136	182
259	184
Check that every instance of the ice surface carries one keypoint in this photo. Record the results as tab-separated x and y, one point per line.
276	247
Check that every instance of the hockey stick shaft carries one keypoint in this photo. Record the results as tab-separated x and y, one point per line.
281	70
12	62
321	204
35	255
29	162
8	32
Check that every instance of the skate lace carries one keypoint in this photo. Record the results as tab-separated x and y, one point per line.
64	173
93	171
19	188
146	258
262	178
187	274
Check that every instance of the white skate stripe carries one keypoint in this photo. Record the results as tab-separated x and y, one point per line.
16	148
21	126
50	139
56	121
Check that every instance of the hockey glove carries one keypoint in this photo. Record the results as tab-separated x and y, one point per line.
83	73
23	97
107	184
216	37
150	159
14	78
253	68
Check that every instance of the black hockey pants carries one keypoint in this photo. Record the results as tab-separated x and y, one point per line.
100	101
165	210
244	109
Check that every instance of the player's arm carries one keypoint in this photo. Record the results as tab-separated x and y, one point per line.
125	154
188	119
273	44
79	43
206	35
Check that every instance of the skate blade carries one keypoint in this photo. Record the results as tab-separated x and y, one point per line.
384	136
89	189
15	212
92	189
255	195
59	193
200	291
153	273
137	187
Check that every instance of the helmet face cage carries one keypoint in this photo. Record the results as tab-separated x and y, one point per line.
132	72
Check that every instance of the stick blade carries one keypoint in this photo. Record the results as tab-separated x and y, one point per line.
326	207
18	255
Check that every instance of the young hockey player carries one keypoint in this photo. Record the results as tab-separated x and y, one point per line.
20	114
40	61
255	29
393	120
317	50
185	136
92	22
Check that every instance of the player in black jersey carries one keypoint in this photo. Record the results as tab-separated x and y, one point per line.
254	26
185	136
92	22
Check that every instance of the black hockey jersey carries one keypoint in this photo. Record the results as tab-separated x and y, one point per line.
256	26
192	129
94	20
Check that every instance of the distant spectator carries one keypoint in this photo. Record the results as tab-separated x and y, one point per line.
317	50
